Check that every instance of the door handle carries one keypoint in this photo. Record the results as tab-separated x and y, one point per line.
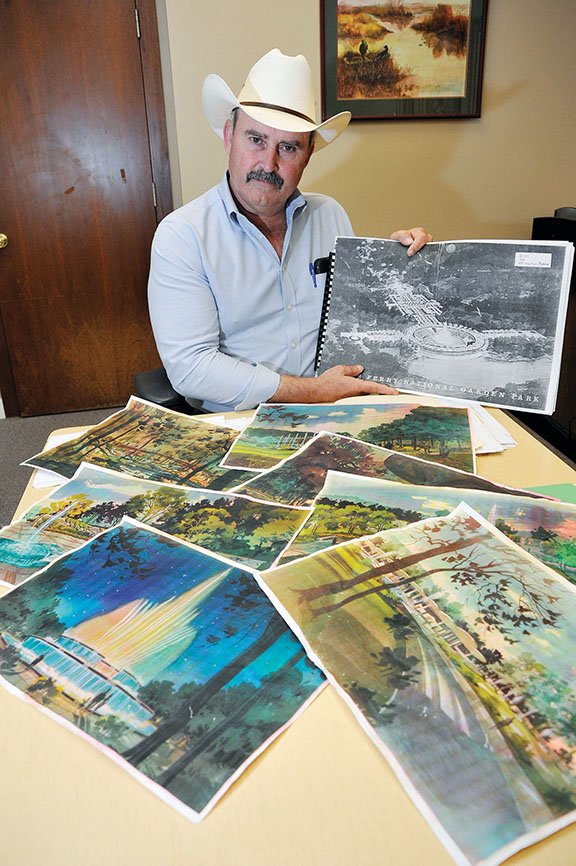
3	241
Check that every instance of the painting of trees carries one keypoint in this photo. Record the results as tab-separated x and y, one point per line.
149	442
278	430
336	520
507	597
299	479
428	431
545	528
442	634
95	500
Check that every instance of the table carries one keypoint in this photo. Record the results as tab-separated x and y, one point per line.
321	794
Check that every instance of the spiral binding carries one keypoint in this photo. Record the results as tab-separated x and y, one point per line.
324	312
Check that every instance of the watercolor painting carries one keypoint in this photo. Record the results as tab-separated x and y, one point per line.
438	433
488	435
349	506
403	58
454	649
250	532
300	478
173	660
150	442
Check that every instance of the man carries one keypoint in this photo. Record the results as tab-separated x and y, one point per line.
234	301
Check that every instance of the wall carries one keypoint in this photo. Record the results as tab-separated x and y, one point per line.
484	177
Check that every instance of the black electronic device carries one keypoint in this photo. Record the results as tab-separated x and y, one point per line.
559	429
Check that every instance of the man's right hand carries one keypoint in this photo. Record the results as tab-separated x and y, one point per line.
333	384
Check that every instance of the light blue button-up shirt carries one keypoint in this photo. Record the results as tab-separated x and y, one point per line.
228	315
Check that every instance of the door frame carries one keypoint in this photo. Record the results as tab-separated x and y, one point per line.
149	43
155	107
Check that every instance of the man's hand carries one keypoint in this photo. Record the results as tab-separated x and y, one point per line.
333	384
414	239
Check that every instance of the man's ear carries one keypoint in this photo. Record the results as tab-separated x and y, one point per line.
311	145
228	133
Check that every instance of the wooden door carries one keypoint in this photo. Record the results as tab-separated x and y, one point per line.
82	140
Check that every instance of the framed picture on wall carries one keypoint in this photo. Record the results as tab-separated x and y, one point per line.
401	59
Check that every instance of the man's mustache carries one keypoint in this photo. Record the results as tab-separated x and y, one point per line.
268	176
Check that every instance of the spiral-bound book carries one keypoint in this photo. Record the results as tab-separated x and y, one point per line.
478	320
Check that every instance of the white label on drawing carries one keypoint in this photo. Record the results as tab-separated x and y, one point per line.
533	260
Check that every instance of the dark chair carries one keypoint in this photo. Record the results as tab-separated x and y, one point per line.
565	213
559	429
154	386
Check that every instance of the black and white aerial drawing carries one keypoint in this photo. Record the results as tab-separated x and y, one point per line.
474	319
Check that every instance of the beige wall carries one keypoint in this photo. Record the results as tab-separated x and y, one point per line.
484	177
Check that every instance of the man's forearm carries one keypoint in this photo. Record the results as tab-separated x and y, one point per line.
333	384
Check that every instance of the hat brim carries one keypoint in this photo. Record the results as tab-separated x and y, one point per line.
218	102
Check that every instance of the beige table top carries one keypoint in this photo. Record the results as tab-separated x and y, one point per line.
321	794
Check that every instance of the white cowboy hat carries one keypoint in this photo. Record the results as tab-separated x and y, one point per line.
279	93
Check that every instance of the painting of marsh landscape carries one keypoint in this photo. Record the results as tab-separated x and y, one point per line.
277	430
173	658
95	499
404	51
453	647
349	506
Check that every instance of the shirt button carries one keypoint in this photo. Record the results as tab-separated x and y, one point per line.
292	345
288	307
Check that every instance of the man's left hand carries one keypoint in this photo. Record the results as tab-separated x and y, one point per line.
414	239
